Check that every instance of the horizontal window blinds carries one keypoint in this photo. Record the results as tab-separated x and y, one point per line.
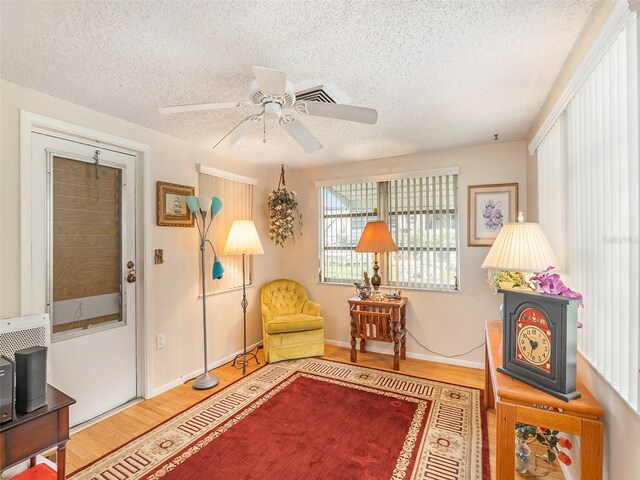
237	201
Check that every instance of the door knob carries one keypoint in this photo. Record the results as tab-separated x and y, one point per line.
131	277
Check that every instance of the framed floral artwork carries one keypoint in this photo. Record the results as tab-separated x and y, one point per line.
172	205
489	207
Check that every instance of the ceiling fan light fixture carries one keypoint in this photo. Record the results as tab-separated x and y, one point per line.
273	108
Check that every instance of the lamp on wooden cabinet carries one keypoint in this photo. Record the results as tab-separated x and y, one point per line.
539	331
243	240
520	247
204	207
376	238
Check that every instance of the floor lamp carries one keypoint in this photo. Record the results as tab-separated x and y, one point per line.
243	240
206	206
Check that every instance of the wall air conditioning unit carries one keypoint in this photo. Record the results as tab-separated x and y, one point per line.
24	332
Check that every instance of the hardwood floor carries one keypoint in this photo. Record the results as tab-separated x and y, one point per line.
107	435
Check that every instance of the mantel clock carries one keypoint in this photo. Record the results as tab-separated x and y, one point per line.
540	341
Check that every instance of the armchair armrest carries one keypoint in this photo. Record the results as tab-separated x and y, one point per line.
266	314
311	308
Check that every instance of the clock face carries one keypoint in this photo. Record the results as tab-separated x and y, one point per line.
533	339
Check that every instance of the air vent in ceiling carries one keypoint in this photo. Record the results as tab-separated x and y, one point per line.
315	94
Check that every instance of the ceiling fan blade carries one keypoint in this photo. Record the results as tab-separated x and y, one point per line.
201	106
300	134
342	112
270	80
234	135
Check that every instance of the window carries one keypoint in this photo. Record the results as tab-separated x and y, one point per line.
591	156
236	194
421	212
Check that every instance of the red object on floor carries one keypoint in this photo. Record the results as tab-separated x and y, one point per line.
39	472
312	430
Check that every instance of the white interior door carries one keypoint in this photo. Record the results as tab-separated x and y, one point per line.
91	295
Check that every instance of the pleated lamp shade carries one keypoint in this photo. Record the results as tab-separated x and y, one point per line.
376	238
521	247
243	239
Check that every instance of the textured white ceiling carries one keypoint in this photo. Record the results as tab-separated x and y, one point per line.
440	73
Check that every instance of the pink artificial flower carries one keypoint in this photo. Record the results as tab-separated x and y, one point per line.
551	284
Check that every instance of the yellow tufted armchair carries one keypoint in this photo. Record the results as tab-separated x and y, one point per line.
291	324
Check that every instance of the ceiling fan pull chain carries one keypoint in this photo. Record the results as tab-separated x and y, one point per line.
264	129
282	185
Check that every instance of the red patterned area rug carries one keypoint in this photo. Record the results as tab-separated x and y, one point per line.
314	419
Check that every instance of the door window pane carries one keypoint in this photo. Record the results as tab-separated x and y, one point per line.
86	262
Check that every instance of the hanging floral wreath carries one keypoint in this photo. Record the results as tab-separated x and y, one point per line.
283	212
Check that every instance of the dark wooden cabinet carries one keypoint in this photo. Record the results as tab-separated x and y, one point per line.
381	320
30	434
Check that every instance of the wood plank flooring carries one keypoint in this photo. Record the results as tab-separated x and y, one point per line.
107	435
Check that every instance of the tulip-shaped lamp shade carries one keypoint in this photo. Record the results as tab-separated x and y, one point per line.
205	205
243	240
216	206
193	204
376	238
520	247
217	269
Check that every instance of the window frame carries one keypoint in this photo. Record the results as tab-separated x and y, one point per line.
383	212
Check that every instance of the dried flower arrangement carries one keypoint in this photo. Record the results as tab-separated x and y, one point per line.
283	213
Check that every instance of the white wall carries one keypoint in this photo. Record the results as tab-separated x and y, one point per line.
176	306
448	322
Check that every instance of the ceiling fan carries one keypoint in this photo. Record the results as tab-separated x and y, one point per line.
276	96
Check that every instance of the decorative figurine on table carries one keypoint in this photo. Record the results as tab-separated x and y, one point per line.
364	288
394	296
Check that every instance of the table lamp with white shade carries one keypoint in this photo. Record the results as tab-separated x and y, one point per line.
520	247
539	331
376	238
243	240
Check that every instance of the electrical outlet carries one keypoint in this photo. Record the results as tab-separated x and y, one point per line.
160	341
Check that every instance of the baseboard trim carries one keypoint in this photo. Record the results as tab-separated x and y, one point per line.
418	356
191	375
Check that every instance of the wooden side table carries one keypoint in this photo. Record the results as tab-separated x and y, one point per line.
519	402
35	432
381	320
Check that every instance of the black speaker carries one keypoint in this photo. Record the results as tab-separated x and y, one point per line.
6	389
31	378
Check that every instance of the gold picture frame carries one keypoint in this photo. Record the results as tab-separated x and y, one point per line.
489	207
172	205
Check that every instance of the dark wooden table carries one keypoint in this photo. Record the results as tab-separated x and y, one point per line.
381	320
518	402
30	434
